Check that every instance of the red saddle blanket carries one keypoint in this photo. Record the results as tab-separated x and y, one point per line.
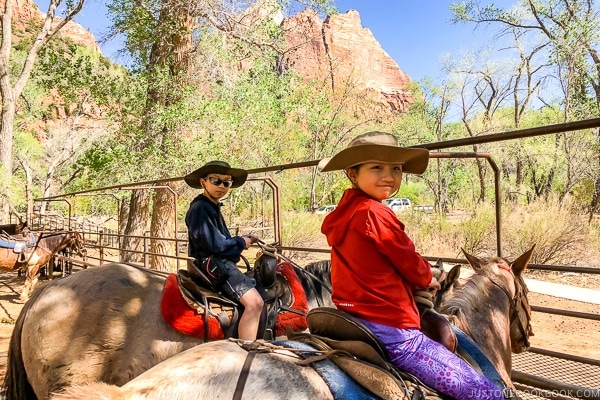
178	314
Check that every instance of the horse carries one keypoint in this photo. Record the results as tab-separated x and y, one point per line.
25	252
507	296
111	317
492	306
13	229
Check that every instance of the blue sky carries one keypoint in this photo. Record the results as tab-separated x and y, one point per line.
415	33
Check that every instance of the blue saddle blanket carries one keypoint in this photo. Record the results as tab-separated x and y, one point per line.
341	385
10	244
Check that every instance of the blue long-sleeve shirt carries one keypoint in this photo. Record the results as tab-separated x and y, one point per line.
208	234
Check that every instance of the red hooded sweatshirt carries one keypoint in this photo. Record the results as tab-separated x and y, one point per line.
374	265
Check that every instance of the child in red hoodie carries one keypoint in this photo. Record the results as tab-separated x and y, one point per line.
375	268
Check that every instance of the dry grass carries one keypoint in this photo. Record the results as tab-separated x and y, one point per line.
562	236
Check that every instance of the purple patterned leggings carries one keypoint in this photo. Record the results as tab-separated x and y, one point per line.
433	364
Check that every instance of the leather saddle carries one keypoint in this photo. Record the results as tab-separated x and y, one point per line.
341	331
437	327
18	245
359	353
274	289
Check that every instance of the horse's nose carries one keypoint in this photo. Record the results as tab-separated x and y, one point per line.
531	331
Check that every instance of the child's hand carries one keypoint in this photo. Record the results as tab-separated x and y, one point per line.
434	285
250	239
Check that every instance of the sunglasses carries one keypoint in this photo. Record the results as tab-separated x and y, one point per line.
218	182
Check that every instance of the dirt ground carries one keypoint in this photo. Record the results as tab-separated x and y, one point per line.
552	332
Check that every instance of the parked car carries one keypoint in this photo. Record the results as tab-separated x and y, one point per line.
398	204
326	209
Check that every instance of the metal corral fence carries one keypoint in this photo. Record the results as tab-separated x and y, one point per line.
538	373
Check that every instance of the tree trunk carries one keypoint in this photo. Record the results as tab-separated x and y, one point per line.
595	203
28	190
172	52
481	175
163	226
123	221
136	225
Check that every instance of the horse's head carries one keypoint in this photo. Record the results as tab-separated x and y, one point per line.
77	243
508	276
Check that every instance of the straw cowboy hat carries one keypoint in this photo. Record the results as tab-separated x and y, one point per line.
216	167
377	147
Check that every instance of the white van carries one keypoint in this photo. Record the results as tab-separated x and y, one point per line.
398	204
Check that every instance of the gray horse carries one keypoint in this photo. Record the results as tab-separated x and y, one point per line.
491	306
104	324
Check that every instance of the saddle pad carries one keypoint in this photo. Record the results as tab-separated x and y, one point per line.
178	314
342	386
296	322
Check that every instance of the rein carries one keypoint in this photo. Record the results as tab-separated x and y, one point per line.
515	302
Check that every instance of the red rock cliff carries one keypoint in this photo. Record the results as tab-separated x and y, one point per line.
26	10
340	50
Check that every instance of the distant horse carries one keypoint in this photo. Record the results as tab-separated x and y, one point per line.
35	252
491	306
13	229
104	324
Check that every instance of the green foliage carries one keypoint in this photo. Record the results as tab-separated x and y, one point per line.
255	116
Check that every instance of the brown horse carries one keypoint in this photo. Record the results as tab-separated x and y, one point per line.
13	229
503	283
35	252
491	306
104	324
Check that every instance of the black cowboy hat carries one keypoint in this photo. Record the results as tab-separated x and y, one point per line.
216	167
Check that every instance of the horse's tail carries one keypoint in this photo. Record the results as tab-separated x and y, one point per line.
16	385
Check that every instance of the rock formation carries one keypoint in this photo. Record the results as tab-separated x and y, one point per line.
337	51
25	11
340	50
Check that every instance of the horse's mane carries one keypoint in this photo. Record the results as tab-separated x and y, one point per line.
50	241
319	268
465	296
316	280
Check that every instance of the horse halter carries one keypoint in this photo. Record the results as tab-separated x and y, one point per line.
520	312
77	244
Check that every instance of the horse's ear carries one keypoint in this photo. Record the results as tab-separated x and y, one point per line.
437	269
519	265
452	276
474	261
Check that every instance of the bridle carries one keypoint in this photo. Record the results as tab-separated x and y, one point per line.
78	246
520	312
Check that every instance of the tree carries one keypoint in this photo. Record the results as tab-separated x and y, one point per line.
426	122
162	37
570	27
11	91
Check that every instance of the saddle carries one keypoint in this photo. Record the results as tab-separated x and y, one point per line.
285	303
360	354
367	360
19	246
